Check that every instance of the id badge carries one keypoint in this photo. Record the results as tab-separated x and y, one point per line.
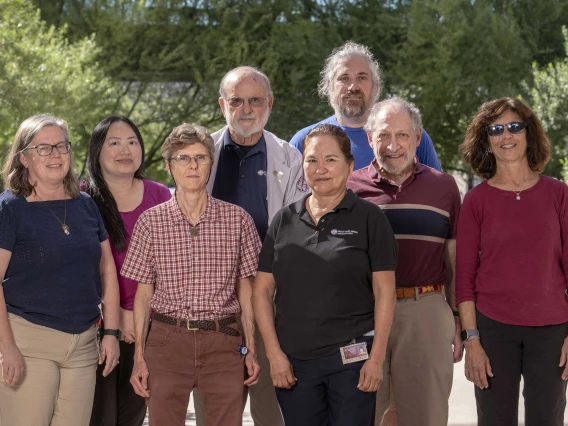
354	353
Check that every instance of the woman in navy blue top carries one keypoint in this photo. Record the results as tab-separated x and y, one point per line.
57	271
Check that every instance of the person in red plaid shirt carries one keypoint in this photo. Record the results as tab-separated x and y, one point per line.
193	258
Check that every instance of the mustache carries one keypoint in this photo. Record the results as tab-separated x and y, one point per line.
247	116
352	92
389	153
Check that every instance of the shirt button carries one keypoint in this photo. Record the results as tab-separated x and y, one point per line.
242	176
316	232
323	220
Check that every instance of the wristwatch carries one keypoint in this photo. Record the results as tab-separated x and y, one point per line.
111	332
466	334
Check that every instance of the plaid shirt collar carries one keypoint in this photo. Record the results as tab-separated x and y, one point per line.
211	213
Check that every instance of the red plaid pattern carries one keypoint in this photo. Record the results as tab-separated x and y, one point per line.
194	277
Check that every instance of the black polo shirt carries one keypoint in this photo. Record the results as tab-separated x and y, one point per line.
323	273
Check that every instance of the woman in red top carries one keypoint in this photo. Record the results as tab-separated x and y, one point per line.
512	269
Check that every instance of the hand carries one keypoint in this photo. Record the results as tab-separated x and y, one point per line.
253	369
458	348
126	325
370	376
564	359
109	353
139	377
477	366
12	364
281	371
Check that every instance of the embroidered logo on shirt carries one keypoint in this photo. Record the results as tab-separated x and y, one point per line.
261	172
343	232
302	185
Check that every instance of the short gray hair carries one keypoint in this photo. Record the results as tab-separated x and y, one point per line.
244	71
339	55
186	135
409	107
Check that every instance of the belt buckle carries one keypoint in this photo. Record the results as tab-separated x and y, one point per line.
190	328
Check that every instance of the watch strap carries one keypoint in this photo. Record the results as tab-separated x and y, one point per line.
112	332
466	334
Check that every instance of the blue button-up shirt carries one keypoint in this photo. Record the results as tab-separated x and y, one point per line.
241	180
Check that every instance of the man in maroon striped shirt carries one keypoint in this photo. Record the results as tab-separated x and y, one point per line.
422	205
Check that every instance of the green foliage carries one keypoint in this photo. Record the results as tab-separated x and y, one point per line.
458	55
549	99
448	56
171	55
41	71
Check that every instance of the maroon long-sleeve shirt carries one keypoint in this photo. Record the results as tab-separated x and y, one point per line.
512	255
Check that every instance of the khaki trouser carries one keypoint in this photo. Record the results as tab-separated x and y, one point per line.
263	404
419	362
59	381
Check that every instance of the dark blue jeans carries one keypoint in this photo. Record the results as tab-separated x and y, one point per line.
326	393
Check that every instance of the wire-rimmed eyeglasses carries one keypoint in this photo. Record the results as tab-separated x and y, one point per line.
184	160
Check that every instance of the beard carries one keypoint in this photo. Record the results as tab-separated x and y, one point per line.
350	108
258	126
398	170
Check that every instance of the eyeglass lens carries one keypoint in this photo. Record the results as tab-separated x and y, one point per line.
253	102
513	127
45	149
184	160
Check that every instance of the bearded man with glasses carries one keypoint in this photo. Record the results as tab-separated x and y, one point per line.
261	173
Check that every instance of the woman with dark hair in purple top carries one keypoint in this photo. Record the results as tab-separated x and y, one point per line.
117	184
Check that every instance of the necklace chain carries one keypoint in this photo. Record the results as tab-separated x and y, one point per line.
64	226
518	194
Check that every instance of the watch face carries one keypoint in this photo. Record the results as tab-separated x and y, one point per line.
465	334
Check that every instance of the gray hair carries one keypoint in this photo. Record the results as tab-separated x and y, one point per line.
186	135
409	107
14	173
341	54
242	72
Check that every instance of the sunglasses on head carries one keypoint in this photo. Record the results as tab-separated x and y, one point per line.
514	127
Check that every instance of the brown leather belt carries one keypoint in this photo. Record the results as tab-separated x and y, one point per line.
407	292
221	325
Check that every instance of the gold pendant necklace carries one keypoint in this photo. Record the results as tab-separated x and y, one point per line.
64	226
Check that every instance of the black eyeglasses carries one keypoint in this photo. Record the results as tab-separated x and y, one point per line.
513	127
254	102
44	149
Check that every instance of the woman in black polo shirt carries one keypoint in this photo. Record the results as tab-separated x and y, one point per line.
332	258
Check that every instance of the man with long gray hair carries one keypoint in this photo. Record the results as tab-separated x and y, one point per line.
422	205
351	81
